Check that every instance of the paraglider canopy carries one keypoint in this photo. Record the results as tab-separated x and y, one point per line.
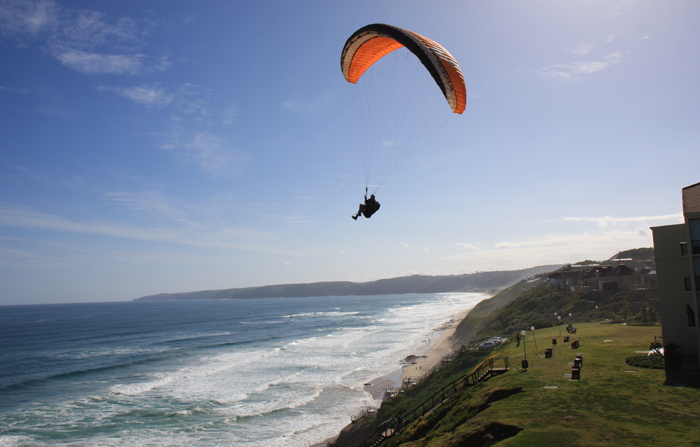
396	107
372	42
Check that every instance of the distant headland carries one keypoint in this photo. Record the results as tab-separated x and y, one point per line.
471	282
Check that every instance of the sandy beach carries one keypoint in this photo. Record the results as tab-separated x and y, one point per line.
435	350
444	346
419	363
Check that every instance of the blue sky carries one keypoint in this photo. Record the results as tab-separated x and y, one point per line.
168	146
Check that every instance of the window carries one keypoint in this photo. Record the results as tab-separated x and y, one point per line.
695	235
691	315
688	284
684	249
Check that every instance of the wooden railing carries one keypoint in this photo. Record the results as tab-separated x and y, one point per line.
392	426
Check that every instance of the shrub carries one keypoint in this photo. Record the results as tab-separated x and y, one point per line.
653	361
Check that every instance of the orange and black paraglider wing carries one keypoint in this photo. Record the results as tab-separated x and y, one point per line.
372	42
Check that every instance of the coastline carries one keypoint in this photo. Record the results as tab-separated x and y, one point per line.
436	349
442	347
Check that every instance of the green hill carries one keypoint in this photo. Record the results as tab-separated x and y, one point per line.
613	403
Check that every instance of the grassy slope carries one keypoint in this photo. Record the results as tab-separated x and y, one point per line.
472	326
608	406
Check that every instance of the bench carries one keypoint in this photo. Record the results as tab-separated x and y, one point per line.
575	373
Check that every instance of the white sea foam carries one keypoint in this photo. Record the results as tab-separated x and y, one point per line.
288	392
13	441
335	313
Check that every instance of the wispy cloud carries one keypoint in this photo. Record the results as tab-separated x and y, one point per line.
187	101
183	232
577	70
83	40
152	202
4	88
317	104
192	137
599	242
469	246
19	18
149	95
554	249
606	221
212	153
582	50
589	57
91	63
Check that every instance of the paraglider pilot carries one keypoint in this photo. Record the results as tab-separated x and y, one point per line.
368	208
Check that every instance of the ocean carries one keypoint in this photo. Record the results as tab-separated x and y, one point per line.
254	372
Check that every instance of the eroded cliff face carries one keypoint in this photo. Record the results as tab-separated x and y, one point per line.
352	434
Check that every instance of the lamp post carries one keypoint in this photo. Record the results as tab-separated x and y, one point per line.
532	328
559	324
571	320
524	362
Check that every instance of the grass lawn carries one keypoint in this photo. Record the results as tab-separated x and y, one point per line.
612	404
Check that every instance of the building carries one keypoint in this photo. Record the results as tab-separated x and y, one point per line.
677	251
587	278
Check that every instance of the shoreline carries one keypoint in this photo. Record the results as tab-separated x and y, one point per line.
418	366
442	347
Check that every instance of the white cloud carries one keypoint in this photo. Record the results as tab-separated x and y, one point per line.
592	57
190	101
89	29
582	49
30	218
19	18
606	221
181	232
4	88
577	70
210	152
607	237
229	116
83	40
147	201
318	104
468	246
149	95
554	249
193	100
93	63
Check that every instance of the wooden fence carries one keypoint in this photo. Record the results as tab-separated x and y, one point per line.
392	426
